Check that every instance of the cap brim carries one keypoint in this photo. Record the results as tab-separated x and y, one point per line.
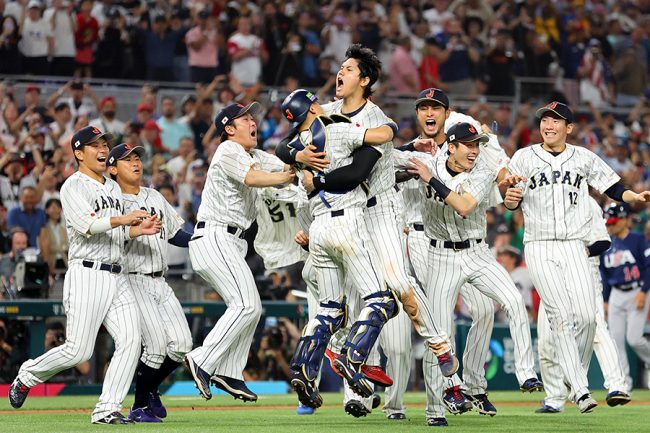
139	150
540	113
481	138
421	100
253	108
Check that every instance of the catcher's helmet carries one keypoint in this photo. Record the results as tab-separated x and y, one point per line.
296	106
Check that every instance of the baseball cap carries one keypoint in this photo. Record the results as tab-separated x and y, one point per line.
557	108
145	107
123	150
464	132
615	212
77	85
204	13
86	135
231	112
33	88
432	95
33	4
151	124
105	100
296	106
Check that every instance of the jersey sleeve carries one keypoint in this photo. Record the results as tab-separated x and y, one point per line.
267	161
516	165
600	176
351	136
478	184
235	162
174	222
79	212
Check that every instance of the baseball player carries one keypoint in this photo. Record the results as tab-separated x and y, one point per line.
458	194
552	179
217	248
354	81
433	117
92	293
597	242
166	336
626	280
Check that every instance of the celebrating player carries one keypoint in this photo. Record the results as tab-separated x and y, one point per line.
92	293
552	179
166	336
217	249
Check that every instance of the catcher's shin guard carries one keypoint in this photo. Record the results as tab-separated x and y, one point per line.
317	333
380	307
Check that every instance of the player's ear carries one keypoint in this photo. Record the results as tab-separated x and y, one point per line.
569	128
112	170
230	131
79	154
364	82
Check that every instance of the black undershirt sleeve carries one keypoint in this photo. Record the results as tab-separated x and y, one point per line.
615	192
350	176
598	247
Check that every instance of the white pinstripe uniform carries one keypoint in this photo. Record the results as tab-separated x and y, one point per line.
556	212
475	265
165	331
93	297
387	237
217	252
277	221
604	345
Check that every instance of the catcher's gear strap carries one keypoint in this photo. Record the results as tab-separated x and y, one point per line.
331	317
380	307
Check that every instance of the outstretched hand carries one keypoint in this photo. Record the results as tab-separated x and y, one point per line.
418	168
151	225
310	158
512	180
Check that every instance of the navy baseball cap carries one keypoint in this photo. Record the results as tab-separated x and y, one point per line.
123	150
464	132
558	108
86	135
616	211
432	95
296	106
231	112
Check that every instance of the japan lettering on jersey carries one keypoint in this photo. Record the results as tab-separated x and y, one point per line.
556	197
148	254
382	176
226	199
85	200
440	220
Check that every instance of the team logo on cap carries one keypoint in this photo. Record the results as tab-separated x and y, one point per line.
552	106
127	146
77	143
431	92
96	131
111	161
224	120
289	115
472	130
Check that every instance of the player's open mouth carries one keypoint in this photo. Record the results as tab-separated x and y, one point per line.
101	159
339	82
430	123
254	133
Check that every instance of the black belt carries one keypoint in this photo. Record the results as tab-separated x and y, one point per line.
418	227
338	213
151	274
115	269
462	245
628	287
230	229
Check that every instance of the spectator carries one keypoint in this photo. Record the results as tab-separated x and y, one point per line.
171	129
201	121
13	179
9	122
9	260
86	34
110	54
82	100
107	120
53	238
178	165
61	19
5	238
456	57
437	15
500	64
202	44
630	73
312	48
62	124
13	349
9	42
33	103
429	69
275	38
36	43
160	44
246	52
181	66
28	215
404	77
337	35
144	114
150	138
594	75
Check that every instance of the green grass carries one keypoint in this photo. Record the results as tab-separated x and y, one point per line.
277	414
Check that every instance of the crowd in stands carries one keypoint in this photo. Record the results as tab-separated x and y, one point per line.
235	50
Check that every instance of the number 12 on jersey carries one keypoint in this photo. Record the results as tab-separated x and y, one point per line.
573	197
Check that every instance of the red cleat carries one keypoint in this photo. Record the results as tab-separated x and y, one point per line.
333	357
376	375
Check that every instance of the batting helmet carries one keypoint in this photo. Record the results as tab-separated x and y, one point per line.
616	211
296	106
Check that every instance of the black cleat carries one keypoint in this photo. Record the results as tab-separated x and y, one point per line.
307	391
437	422
376	401
114	418
482	404
352	373
201	378
18	393
456	401
617	398
156	405
531	385
235	387
547	409
396	415
356	408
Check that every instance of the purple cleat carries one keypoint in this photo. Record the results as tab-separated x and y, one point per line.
143	414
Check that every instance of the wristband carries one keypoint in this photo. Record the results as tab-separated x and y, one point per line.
393	126
440	188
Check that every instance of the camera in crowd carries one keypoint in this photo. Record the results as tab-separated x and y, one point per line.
31	274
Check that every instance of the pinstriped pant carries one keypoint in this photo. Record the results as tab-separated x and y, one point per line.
449	271
92	298
604	347
560	272
218	257
164	327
